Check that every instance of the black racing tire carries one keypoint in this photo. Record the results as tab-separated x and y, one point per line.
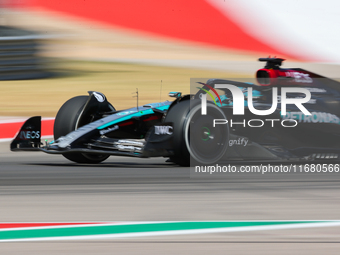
66	122
195	139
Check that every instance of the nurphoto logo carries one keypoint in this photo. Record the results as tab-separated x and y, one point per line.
239	102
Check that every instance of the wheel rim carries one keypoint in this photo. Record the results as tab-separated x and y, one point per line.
206	143
206	134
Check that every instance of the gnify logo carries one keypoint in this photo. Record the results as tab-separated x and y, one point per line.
240	141
238	104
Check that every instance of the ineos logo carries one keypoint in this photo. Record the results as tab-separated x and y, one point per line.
26	135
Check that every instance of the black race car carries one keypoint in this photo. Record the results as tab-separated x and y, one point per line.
253	122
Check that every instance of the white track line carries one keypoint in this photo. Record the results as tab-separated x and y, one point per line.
181	232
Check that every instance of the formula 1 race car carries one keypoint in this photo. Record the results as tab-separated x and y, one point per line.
292	114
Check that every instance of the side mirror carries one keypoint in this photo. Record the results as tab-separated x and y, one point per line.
175	94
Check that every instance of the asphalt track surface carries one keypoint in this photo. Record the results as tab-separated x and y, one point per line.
36	187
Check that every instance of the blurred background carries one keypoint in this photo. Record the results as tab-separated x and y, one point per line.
69	47
53	50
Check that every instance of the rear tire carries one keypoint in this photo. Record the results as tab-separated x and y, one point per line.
66	121
195	138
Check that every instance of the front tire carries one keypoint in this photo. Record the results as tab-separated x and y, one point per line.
67	120
195	138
